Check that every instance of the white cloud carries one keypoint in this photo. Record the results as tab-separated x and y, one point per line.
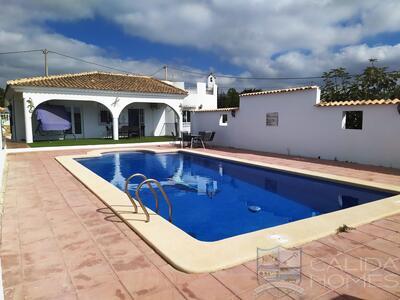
265	38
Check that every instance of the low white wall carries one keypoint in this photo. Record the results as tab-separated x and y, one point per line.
307	130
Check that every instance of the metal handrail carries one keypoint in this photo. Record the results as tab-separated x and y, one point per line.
149	181
139	200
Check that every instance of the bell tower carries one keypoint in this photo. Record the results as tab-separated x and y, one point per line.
210	82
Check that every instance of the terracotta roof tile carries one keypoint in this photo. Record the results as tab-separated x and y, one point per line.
217	109
102	81
359	102
293	89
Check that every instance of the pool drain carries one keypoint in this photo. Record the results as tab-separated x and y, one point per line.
254	208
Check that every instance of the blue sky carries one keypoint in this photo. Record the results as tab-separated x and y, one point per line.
107	35
287	38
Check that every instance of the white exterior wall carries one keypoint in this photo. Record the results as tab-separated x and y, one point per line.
307	130
115	102
207	99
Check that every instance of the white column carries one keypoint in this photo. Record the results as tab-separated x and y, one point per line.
115	129
180	125
28	123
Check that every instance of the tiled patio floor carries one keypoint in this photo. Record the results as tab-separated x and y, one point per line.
60	242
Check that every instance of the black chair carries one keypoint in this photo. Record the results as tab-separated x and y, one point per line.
176	138
186	138
208	137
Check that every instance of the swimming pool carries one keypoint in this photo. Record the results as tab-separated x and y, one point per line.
214	199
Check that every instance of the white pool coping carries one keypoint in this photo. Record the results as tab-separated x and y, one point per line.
190	255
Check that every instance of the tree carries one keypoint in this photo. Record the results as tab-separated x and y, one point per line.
336	84
374	83
245	91
228	99
2	100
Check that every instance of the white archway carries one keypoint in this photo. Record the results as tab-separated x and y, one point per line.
114	102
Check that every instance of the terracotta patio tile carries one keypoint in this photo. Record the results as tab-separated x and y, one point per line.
311	289
130	263
68	236
319	250
354	266
375	257
51	288
14	293
40	250
144	247
30	236
165	294
330	295
91	277
111	290
156	259
357	236
87	259
206	287
93	222
103	229
326	275
10	261
251	265
363	290
375	230
142	280
117	245
394	218
387	224
385	246
340	242
385	280
238	279
12	277
395	237
265	291
178	277
59	217
44	269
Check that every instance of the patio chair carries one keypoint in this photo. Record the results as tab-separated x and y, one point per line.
198	139
208	137
176	138
186	138
109	132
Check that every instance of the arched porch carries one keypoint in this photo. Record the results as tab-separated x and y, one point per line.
88	119
148	119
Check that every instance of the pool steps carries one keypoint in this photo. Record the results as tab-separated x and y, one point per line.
148	182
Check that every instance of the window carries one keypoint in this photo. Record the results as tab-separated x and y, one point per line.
186	116
272	119
223	121
105	116
352	120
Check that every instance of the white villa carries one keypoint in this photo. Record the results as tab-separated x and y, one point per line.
101	105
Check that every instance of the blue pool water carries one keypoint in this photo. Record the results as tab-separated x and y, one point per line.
214	199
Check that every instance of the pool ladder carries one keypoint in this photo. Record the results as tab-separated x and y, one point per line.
148	182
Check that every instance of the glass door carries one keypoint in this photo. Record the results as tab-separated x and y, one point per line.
136	120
